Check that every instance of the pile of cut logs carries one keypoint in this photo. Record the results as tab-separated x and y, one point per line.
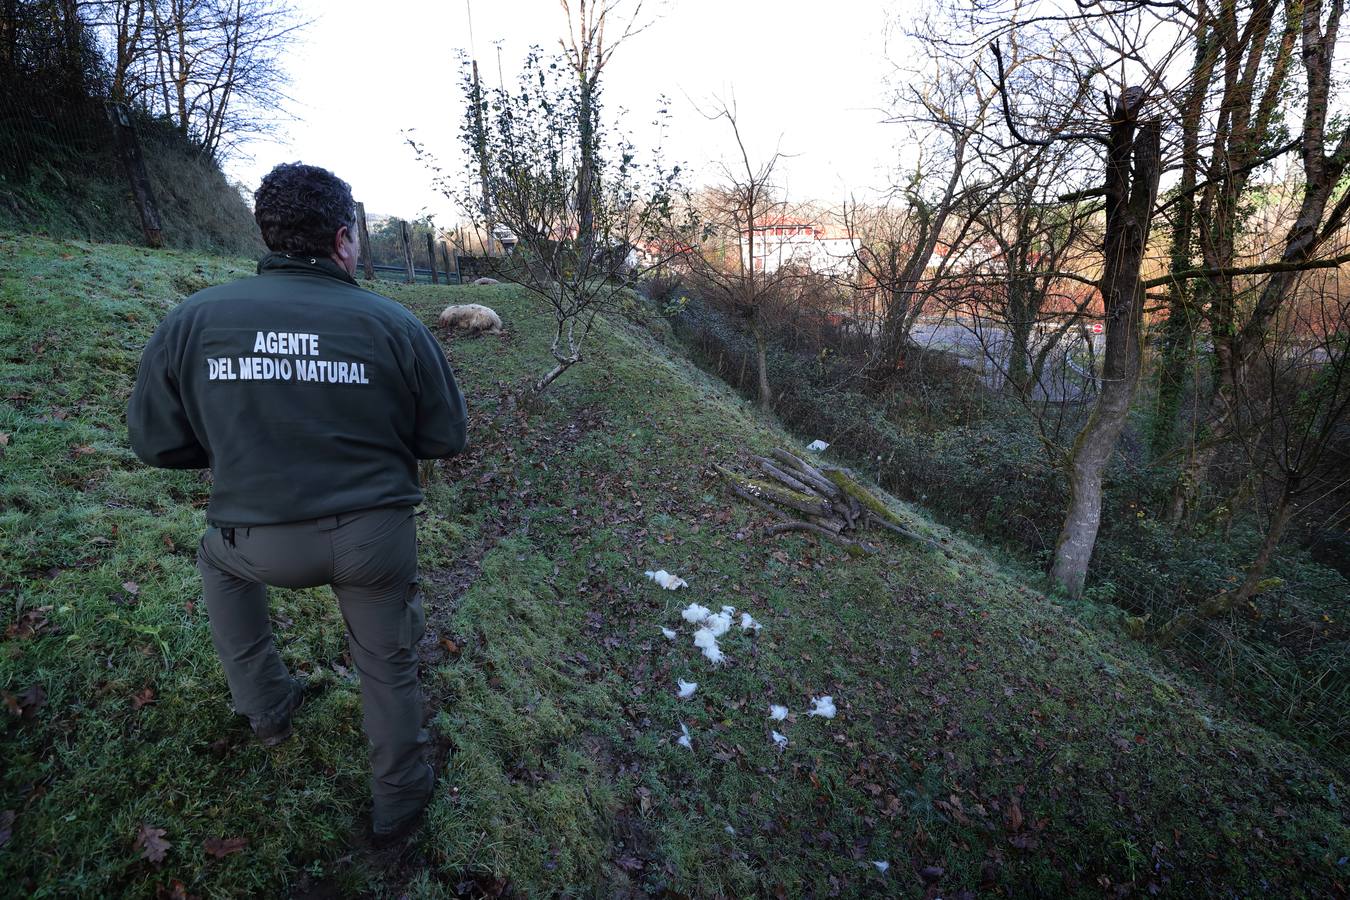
824	500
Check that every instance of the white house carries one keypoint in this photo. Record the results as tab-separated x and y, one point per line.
786	242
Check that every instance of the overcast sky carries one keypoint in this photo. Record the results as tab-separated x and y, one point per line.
808	77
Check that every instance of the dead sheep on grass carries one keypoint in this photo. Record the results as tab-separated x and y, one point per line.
473	318
485	280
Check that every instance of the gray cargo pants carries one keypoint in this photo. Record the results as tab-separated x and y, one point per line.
370	559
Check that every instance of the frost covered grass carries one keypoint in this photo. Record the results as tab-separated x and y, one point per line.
984	739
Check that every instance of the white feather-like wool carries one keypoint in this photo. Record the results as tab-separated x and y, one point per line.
473	318
706	641
824	707
669	633
684	739
882	865
780	740
687	688
777	713
748	623
666	580
719	624
695	614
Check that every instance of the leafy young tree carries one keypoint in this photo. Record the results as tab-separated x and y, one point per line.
587	51
525	150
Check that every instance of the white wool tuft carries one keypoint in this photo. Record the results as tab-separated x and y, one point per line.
881	865
695	614
780	740
706	641
666	580
684	740
719	624
817	446
748	623
687	688
728	609
824	706
669	633
777	713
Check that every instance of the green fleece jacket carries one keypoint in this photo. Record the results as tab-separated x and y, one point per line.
305	394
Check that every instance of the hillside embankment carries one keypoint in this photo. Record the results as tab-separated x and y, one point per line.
987	741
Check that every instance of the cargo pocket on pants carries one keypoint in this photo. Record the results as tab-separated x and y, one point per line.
414	618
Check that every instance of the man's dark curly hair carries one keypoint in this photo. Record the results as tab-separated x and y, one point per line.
299	208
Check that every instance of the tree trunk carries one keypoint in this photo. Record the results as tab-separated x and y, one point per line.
1279	519
554	373
1019	339
1235	344
1132	171
762	366
586	177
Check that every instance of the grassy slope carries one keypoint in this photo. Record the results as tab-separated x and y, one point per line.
982	730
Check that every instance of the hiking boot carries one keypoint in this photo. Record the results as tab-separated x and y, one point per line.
387	836
276	727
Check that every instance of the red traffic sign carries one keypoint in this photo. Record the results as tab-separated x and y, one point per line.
1097	328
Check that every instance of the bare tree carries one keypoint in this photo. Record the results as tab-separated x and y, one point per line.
731	264
1255	51
212	67
945	107
1296	402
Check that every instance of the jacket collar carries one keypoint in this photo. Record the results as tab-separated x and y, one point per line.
296	262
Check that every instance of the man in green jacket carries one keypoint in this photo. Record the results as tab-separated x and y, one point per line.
311	400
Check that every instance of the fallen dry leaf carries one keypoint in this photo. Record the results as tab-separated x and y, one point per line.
4	442
1015	817
175	891
142	697
131	587
449	645
26	704
6	826
150	841
30	624
223	847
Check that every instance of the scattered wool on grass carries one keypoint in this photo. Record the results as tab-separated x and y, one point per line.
687	688
695	614
668	632
824	707
719	624
666	580
748	623
779	740
881	865
706	641
778	713
684	739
